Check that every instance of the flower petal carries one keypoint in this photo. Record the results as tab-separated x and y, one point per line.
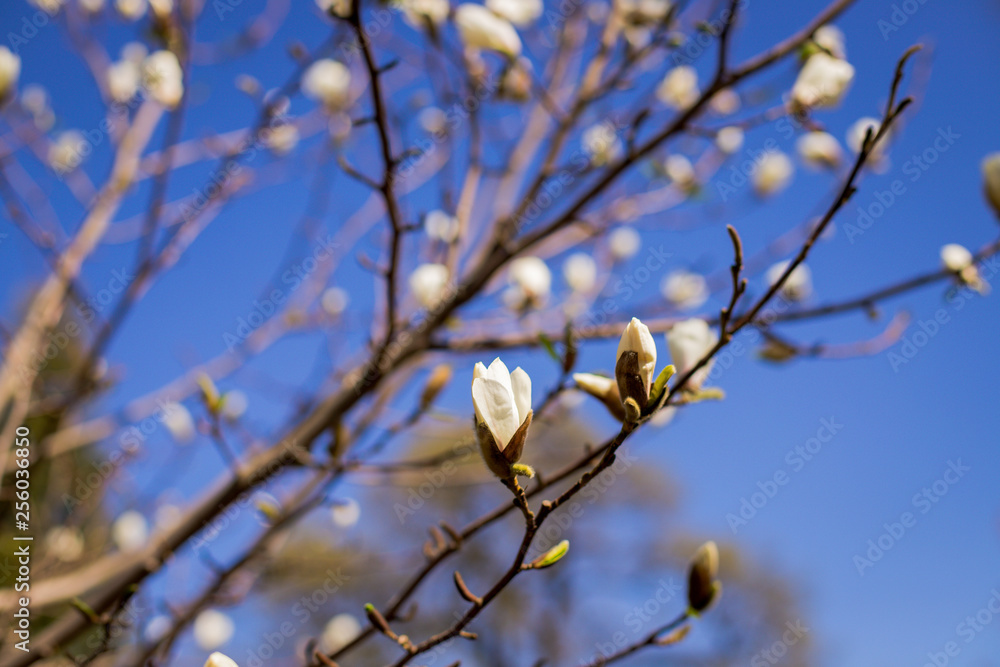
521	389
495	406
498	371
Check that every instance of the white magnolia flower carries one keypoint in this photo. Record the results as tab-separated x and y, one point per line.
685	289
502	401
530	283
124	78
92	6
212	629
991	180
345	513
624	243
519	12
482	29
955	257
328	82
131	10
773	173
831	38
130	532
798	287
10	71
604	389
234	404
49	6
419	13
220	660
433	120
341	8
282	138
65	543
157	628
643	12
856	136
680	170
163	78
162	9
636	363
822	81
179	422
689	341
441	226
729	140
725	102
67	152
679	88
340	631
820	149
334	301
428	284
601	143
580	272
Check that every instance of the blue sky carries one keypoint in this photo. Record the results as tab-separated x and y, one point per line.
903	425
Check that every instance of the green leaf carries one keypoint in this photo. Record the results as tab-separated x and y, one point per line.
549	347
660	384
551	557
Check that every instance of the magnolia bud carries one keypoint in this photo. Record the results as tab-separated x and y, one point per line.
550	557
703	585
219	660
636	363
991	180
438	379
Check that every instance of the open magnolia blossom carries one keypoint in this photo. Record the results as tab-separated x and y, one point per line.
991	180
521	13
163	78
635	365
10	70
502	401
820	149
328	82
220	660
685	289
428	284
822	81
689	341
124	78
798	286
679	88
773	173
830	38
482	29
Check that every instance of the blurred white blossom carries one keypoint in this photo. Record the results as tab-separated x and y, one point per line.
163	78
220	660
798	287
130	532
10	71
601	143
178	421
124	78
729	140
820	149
530	282
234	404
334	301
67	151
991	180
725	102
773	173
689	341
519	12
680	170
482	29
339	632
65	543
131	10
685	289
679	88
822	81
441	226
580	272
420	13
831	38
428	283
624	243
282	138
329	82
92	6
345	513
212	629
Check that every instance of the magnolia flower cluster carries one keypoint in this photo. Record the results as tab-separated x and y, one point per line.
634	393
825	76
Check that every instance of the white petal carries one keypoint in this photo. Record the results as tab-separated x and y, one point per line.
495	406
521	385
498	371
